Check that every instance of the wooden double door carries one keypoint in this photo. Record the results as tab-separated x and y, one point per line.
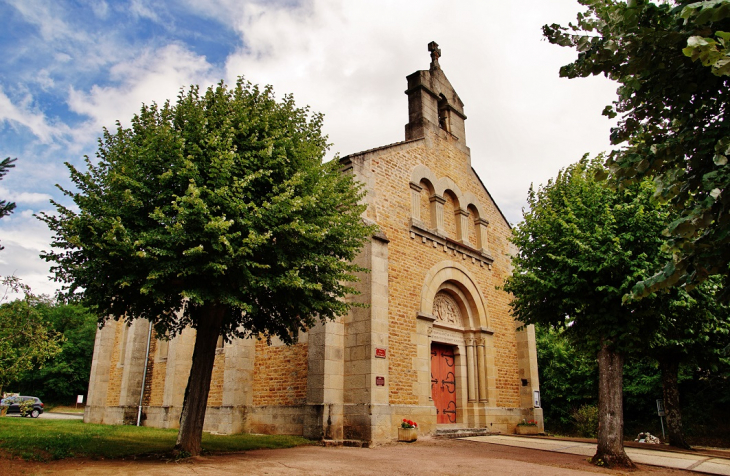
443	382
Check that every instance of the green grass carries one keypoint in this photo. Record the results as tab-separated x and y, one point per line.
44	440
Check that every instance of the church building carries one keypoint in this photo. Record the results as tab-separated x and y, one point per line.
435	344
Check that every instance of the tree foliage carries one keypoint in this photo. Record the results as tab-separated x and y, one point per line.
6	208
673	117
712	52
581	247
222	198
215	213
568	378
65	375
26	340
693	326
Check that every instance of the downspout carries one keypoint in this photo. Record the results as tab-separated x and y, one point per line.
144	374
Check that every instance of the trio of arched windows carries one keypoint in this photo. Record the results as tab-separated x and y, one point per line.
441	207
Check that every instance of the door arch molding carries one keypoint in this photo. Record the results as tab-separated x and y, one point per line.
446	273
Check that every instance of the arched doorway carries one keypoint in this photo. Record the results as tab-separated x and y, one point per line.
453	316
449	310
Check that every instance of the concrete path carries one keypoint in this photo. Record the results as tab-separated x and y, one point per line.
62	416
53	416
665	459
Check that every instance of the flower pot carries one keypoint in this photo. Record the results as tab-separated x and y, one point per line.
407	434
526	430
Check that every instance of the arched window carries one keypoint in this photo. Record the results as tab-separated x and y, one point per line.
451	209
444	114
428	217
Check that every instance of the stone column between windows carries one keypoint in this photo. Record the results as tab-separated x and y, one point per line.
462	225
437	210
470	364
416	201
482	237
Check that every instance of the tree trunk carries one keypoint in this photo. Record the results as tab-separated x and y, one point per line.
610	450
670	374
196	393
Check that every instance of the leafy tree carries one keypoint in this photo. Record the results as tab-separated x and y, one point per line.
26	341
568	378
582	247
673	122
642	387
65	375
691	333
6	208
693	329
216	213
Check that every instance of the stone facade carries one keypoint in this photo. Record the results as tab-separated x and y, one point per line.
435	267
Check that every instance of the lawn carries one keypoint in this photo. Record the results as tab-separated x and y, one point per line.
44	440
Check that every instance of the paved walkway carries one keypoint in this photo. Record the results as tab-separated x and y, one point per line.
667	459
53	416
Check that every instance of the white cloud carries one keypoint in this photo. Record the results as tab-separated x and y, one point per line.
23	238
23	198
137	7
48	17
100	8
23	114
153	76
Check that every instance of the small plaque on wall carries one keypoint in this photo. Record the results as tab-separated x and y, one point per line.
380	381
379	352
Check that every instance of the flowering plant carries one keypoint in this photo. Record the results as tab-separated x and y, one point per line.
408	424
527	423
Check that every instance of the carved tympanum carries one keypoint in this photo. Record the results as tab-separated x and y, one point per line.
446	309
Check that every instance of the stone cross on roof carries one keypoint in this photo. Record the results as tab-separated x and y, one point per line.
433	47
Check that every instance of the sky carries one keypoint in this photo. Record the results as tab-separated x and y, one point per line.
70	68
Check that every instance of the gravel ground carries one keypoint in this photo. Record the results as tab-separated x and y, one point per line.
424	457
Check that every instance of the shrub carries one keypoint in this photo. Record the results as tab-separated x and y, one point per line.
586	421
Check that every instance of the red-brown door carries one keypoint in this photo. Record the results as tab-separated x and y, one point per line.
443	382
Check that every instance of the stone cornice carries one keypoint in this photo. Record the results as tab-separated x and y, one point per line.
448	245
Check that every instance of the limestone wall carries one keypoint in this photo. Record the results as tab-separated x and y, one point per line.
280	376
410	257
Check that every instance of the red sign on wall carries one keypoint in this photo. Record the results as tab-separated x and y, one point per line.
380	381
379	352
